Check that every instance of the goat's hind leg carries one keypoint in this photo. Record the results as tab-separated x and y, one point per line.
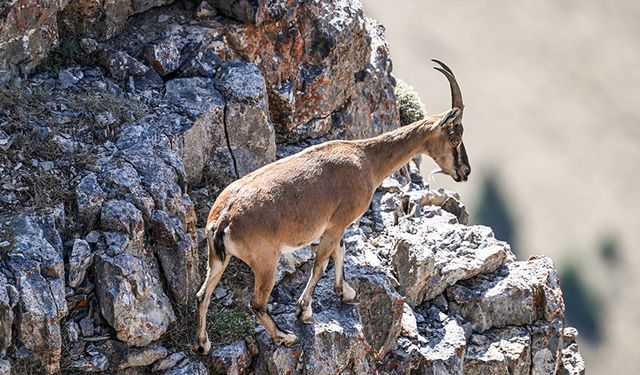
265	279
215	269
342	288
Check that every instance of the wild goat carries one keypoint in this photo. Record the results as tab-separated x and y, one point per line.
315	194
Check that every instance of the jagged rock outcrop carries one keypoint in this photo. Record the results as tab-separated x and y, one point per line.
28	32
169	103
35	276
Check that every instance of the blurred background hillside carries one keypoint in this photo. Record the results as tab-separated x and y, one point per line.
551	128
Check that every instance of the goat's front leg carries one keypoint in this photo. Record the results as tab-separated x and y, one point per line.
329	242
342	288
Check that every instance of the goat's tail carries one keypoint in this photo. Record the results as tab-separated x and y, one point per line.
215	240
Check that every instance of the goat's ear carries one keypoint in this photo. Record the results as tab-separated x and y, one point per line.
449	117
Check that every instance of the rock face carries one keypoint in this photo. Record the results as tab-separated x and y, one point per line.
169	103
28	32
102	20
36	289
250	134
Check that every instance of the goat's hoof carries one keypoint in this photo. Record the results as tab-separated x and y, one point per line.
286	339
204	347
305	313
348	294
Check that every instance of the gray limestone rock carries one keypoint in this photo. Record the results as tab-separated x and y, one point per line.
120	64
188	366
131	298
177	253
499	351
122	180
414	266
205	138
249	130
439	349
546	344
142	357
168	362
202	63
572	361
380	307
69	77
80	259
517	294
28	32
102	20
38	275
232	359
124	217
87	326
89	198
252	12
6	316
5	367
163	55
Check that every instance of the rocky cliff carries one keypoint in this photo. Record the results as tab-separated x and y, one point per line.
120	122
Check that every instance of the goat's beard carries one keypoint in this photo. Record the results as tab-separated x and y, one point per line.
434	172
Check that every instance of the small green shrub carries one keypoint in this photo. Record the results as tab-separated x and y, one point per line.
226	325
409	103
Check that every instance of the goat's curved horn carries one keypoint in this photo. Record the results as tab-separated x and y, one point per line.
456	95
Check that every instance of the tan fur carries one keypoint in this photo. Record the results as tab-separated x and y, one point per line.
314	194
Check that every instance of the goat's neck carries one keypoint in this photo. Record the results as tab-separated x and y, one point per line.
390	151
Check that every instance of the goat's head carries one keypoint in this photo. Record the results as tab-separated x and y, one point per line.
446	146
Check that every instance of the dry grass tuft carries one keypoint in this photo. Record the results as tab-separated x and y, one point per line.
33	116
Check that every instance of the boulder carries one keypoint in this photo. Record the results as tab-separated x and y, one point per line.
431	255
121	180
438	349
519	293
120	64
546	345
28	32
131	297
168	362
372	109
177	254
5	367
380	308
124	217
414	267
202	142
499	351
203	62
163	55
102	20
89	198
80	259
232	359
135	357
312	71
251	135
188	366
38	275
